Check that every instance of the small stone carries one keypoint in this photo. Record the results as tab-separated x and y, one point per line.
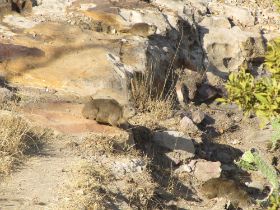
187	124
175	157
206	170
183	168
198	117
206	92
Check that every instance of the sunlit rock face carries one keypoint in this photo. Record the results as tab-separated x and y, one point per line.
86	48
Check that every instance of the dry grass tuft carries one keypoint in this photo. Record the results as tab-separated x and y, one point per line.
88	186
17	140
157	102
118	143
100	180
95	186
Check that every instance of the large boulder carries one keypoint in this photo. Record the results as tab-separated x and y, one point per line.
228	48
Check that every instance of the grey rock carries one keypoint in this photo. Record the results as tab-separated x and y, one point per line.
228	48
239	16
198	116
216	22
125	165
186	124
202	170
175	141
206	92
206	170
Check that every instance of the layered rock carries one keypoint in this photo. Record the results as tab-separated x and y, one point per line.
85	48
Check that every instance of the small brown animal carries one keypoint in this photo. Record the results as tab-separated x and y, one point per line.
220	187
141	29
107	110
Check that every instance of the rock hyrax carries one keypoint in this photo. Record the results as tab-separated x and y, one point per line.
220	187
107	110
141	29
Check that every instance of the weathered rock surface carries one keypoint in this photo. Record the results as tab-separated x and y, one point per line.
175	141
201	169
198	116
65	62
187	125
206	170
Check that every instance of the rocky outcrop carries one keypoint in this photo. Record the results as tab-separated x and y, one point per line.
83	48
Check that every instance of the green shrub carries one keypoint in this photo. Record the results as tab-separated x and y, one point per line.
277	4
260	96
274	202
275	134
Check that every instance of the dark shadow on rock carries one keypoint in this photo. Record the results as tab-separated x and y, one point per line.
161	170
177	49
4	83
218	152
58	53
11	51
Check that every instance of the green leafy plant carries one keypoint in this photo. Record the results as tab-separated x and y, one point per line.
260	96
240	87
272	58
274	202
275	138
277	4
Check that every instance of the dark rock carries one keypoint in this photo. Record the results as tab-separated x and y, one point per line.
206	92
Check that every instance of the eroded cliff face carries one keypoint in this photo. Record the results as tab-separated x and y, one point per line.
68	45
82	48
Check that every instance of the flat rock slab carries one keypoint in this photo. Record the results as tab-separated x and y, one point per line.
175	141
64	118
50	55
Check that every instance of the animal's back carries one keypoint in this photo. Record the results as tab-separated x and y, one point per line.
90	110
219	187
141	29
104	110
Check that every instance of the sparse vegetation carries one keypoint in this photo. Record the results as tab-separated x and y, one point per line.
17	140
277	4
275	134
148	99
260	96
104	184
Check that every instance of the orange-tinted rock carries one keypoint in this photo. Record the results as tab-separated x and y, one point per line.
65	118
